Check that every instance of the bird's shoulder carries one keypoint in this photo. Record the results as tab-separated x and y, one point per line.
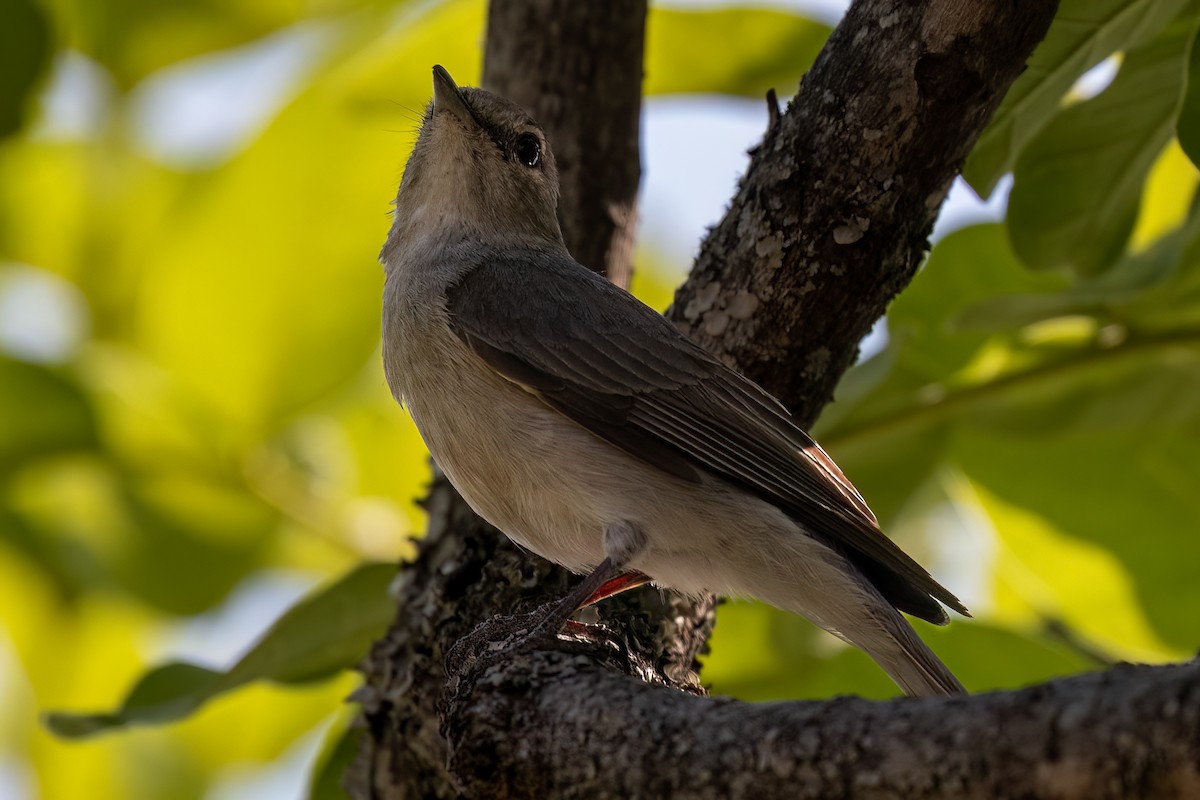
543	307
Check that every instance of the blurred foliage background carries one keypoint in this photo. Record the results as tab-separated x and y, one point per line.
195	431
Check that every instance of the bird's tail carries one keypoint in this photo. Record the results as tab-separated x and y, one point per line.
812	579
850	607
909	661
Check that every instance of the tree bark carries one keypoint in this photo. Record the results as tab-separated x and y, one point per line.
828	225
557	725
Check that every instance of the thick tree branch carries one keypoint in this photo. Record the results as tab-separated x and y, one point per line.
602	734
832	218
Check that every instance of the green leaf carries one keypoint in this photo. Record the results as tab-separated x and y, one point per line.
1070	374
969	649
1132	492
1115	295
927	344
42	413
1083	34
891	437
69	565
24	55
760	49
388	81
325	632
1084	424
760	653
1092	607
169	692
1067	377
965	268
888	463
1188	126
1078	185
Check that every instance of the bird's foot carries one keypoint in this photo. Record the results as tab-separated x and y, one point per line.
507	636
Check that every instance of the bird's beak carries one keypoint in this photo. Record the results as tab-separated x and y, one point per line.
446	96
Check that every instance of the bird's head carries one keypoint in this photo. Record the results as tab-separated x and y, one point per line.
481	167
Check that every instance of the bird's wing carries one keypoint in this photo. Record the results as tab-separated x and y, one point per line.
618	368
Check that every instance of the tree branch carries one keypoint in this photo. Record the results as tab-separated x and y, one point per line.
556	725
833	215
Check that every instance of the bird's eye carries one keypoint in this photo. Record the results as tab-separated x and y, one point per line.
528	150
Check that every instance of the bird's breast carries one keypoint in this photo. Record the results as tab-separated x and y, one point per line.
519	464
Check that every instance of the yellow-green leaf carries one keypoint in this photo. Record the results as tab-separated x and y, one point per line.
759	49
1078	185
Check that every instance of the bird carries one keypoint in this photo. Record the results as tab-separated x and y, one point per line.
591	431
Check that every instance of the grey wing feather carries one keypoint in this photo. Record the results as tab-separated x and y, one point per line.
613	365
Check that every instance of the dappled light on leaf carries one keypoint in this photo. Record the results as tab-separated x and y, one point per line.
1172	178
1042	576
1078	185
1083	34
